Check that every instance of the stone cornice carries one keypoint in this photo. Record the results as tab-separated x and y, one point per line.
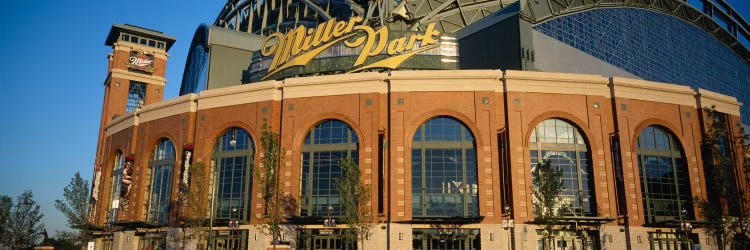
241	94
446	80
121	123
653	91
176	106
344	84
556	83
722	103
124	74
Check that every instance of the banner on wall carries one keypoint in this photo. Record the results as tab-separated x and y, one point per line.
95	186
127	181
187	161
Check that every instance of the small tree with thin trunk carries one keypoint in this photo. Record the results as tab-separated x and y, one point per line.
25	229
722	209
548	200
269	184
75	207
193	203
355	200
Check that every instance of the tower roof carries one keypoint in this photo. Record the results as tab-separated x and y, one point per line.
114	34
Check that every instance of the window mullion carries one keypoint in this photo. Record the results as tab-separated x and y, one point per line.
463	173
423	166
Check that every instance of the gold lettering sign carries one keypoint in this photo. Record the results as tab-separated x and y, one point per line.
300	45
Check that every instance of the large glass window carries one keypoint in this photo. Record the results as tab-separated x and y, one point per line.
444	170
162	167
327	143
114	197
233	159
561	144
664	178
136	96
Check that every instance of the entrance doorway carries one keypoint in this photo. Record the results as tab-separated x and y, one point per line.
228	240
568	240
324	239
442	239
153	241
672	241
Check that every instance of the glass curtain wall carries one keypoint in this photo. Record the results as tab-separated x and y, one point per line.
162	168
444	170
136	96
324	146
560	143
233	173
114	197
664	178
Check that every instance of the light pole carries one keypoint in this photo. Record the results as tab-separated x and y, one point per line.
686	228
211	211
232	222
508	224
329	221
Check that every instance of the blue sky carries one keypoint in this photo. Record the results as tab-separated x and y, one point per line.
52	65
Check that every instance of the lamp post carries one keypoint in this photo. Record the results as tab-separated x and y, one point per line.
508	224
329	221
211	211
685	228
232	222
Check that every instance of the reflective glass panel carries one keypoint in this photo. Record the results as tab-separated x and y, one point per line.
561	143
117	167
162	167
664	179
444	170
233	159
324	146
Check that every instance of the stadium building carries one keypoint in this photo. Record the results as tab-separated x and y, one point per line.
448	109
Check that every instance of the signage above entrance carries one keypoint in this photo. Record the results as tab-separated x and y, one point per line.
373	48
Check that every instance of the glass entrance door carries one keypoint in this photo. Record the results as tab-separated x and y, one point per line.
153	241
569	240
228	240
324	239
435	239
672	241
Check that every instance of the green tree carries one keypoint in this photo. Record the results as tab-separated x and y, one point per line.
355	200
268	183
722	209
193	207
25	228
6	203
75	207
548	200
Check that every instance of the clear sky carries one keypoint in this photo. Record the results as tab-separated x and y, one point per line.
53	62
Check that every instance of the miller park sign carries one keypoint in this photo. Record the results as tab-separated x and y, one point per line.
349	46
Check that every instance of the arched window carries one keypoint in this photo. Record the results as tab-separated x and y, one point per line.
114	197
325	144
162	167
664	177
233	166
560	143
444	170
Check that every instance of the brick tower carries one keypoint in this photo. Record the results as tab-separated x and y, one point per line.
135	77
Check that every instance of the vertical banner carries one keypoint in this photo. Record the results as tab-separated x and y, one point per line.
187	161
127	180
95	182
95	185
